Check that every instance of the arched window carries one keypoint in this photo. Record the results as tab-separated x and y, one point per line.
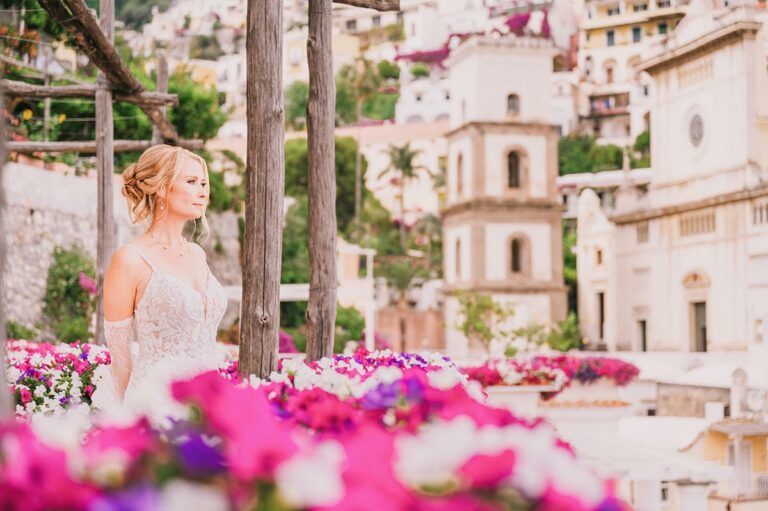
460	175
516	256
513	104
458	260
513	170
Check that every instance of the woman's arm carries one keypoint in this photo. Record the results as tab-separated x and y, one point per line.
120	283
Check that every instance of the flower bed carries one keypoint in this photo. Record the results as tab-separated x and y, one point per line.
46	378
587	370
559	372
513	371
289	449
404	431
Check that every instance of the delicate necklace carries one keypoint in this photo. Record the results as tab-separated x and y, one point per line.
166	246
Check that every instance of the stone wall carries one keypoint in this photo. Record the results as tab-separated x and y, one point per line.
222	247
688	400
410	329
46	209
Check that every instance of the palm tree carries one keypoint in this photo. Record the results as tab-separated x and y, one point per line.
430	228
401	162
364	79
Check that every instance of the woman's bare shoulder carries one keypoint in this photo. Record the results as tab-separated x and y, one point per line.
128	258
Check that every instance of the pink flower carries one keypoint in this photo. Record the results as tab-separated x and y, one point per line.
369	475
26	395
34	477
256	442
485	471
134	441
87	283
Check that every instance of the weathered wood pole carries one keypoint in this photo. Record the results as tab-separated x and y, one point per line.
6	400
264	189
321	309
162	86
105	157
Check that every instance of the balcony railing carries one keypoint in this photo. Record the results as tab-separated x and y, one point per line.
747	486
612	104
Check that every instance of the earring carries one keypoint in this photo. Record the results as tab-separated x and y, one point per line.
162	206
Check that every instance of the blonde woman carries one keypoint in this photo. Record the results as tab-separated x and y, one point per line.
158	289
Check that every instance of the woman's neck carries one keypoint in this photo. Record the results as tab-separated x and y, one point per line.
167	231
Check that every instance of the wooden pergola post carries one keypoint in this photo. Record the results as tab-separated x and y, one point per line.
264	189
321	109
162	87
321	309
105	158
6	400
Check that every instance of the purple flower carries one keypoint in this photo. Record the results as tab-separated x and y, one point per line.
414	389
199	456
383	396
138	498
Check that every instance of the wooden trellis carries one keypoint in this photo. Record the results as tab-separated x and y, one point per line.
265	158
265	175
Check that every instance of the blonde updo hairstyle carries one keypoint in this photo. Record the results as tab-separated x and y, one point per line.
155	172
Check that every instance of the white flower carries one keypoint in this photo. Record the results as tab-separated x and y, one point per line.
510	376
445	379
181	495
433	456
312	479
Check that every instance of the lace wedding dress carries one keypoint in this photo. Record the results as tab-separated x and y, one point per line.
175	326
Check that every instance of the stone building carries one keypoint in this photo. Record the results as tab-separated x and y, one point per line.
501	231
685	268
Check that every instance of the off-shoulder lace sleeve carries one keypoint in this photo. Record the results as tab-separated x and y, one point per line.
119	337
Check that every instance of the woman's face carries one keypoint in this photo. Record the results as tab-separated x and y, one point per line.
188	196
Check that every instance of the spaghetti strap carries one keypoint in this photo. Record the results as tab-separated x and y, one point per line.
141	253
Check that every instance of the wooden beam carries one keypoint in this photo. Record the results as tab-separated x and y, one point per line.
6	399
21	65
321	308
31	91
264	186
379	5
105	170
89	146
162	87
77	18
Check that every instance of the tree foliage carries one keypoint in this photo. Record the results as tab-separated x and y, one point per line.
642	149
297	179
388	70
69	301
205	47
581	154
296	100
136	13
199	114
482	319
569	266
566	335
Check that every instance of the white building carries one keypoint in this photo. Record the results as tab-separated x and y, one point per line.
606	185
686	268
615	94
501	232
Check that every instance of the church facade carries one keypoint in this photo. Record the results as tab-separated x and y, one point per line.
501	231
684	267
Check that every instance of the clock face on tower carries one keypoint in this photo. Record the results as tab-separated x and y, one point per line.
696	130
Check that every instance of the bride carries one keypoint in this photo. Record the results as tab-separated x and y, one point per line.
158	289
